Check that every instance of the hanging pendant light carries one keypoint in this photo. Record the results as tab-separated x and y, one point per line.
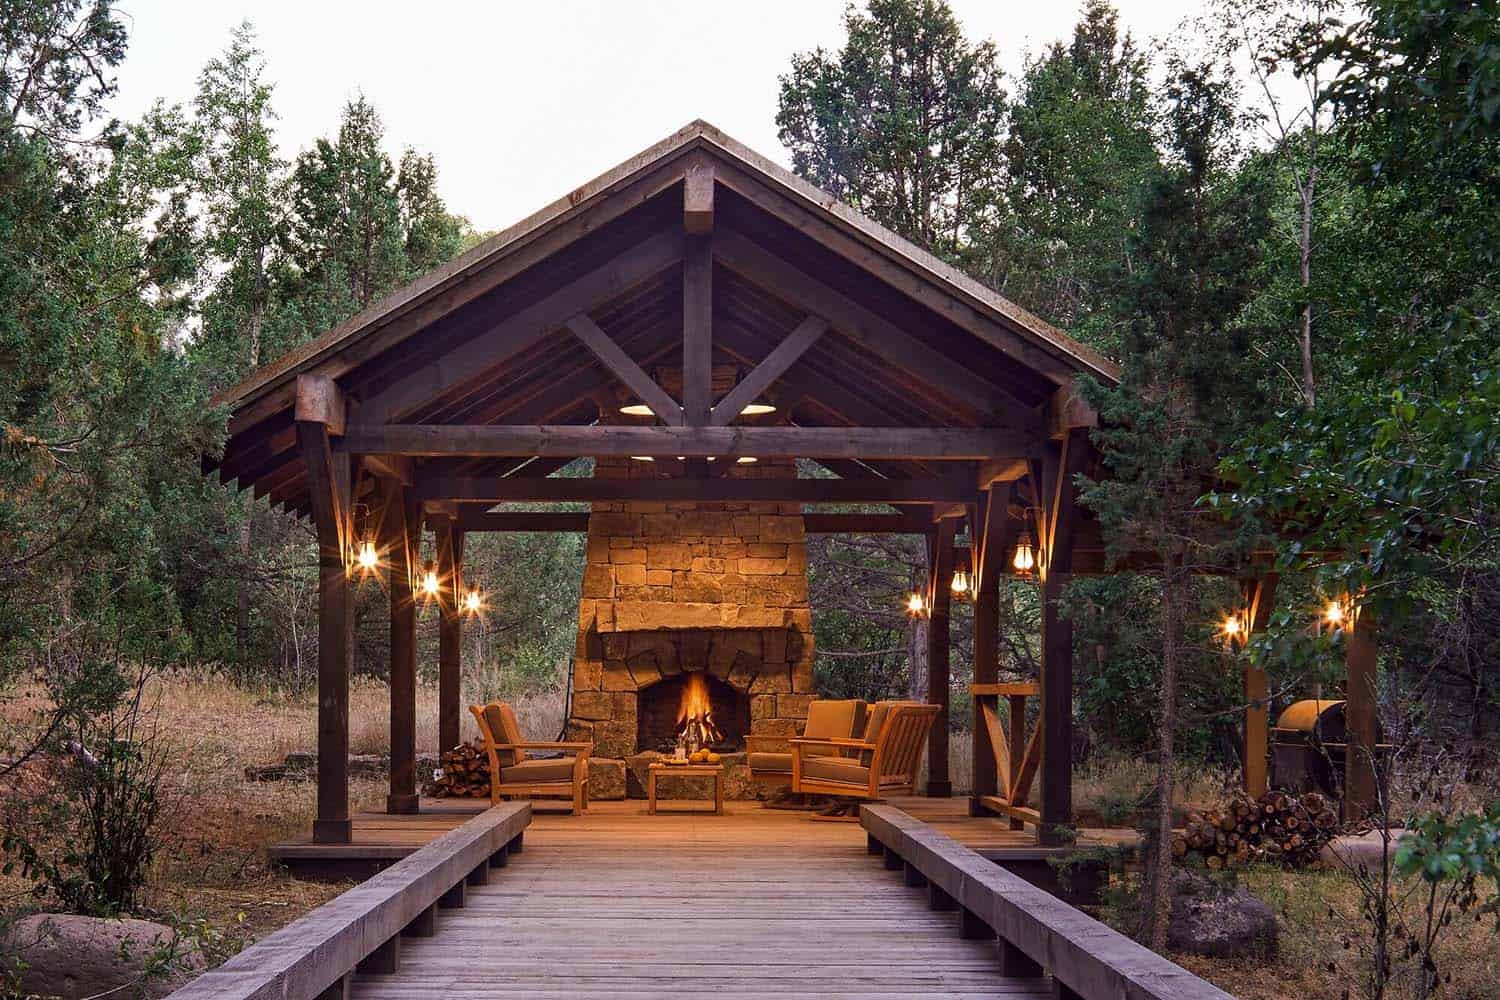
758	408
1233	629
916	605
473	601
637	409
960	585
1024	560
366	555
430	584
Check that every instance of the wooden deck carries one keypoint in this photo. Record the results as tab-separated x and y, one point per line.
755	903
381	838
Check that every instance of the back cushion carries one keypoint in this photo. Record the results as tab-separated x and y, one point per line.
502	722
828	719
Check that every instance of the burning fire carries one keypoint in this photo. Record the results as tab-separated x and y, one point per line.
695	714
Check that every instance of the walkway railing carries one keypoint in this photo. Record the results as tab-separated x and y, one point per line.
316	955
1037	931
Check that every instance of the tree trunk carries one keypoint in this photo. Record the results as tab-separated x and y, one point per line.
1309	385
1160	864
242	597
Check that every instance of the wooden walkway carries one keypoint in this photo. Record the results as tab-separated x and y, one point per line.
756	903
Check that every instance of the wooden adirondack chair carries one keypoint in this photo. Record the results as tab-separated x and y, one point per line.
887	762
513	773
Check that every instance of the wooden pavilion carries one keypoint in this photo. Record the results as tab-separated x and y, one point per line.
911	384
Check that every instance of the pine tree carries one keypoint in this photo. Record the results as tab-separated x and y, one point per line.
1181	382
904	122
1079	158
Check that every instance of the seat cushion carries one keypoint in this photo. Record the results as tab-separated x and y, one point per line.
501	719
532	772
840	769
781	762
834	719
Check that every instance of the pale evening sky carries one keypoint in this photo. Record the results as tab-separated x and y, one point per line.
521	102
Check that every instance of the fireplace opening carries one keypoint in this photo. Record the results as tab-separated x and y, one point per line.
693	698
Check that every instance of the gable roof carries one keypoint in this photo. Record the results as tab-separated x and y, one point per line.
696	135
913	342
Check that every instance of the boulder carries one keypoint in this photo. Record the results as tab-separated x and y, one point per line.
73	957
1208	919
606	779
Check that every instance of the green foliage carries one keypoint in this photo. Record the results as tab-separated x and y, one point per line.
1079	158
903	123
103	813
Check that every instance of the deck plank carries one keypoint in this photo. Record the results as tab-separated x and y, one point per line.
755	903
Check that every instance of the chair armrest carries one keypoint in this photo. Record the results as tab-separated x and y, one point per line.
545	745
832	741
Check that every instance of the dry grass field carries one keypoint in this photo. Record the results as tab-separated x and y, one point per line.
212	866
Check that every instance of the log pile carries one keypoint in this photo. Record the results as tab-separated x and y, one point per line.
466	773
1277	827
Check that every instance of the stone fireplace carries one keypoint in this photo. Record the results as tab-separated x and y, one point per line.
670	589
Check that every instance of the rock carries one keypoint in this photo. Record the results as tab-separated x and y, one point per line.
1207	919
606	779
74	957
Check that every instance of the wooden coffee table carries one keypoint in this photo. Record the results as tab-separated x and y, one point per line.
715	771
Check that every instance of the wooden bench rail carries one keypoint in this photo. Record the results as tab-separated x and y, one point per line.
1082	954
311	956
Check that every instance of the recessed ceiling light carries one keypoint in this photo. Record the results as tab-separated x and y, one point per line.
757	409
637	410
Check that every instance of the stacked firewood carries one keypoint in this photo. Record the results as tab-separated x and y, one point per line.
466	773
1277	827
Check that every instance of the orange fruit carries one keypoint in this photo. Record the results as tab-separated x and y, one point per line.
713	758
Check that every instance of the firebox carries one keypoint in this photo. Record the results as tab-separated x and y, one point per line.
695	698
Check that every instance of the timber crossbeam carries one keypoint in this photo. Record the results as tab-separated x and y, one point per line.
567	441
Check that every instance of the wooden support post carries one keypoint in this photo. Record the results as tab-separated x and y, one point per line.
940	559
500	858
517	843
1361	778
1017	737
341	990
384	960
893	860
1259	597
424	924
912	876
991	539
939	899
450	549
698	199
480	875
402	526
328	477
1060	463
1061	991
873	845
697	331
1015	963
455	898
972	927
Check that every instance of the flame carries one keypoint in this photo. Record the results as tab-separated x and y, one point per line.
696	708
